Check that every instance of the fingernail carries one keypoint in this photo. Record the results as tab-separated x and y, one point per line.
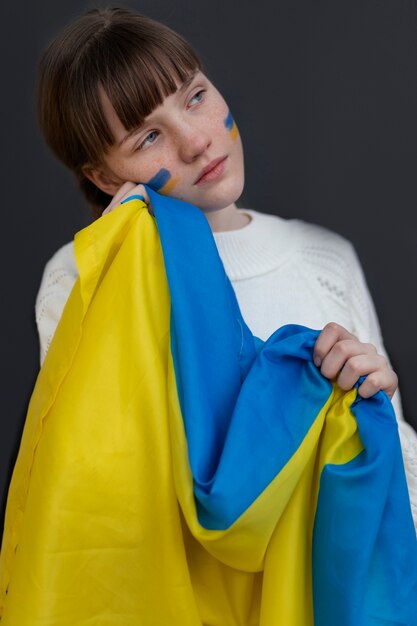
317	361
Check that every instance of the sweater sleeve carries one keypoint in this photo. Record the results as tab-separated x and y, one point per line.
57	281
367	329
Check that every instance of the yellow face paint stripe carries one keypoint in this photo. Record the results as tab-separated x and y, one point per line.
169	186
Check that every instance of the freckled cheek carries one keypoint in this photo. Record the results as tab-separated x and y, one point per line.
160	175
223	126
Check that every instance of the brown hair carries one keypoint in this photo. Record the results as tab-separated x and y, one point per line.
136	60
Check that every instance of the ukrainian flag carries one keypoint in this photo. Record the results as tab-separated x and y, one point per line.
176	471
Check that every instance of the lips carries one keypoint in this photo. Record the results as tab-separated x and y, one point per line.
212	170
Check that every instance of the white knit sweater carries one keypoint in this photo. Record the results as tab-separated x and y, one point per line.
283	271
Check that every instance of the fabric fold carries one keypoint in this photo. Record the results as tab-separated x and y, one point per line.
176	470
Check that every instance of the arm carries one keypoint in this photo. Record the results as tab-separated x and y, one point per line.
57	281
60	274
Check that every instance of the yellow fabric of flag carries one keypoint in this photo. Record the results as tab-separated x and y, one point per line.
101	525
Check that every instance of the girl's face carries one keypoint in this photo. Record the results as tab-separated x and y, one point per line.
188	148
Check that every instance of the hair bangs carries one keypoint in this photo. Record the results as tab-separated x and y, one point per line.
86	113
139	79
138	76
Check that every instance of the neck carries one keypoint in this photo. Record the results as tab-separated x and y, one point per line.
226	219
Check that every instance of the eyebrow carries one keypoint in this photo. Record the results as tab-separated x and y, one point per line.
179	91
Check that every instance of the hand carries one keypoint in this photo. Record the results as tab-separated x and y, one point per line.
342	357
126	190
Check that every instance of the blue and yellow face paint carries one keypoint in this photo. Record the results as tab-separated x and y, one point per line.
163	182
230	124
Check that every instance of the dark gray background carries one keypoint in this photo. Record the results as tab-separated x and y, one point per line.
325	96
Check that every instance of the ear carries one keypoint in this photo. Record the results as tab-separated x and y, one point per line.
102	179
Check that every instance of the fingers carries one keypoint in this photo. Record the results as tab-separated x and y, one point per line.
359	365
378	372
344	358
127	190
350	355
388	381
329	336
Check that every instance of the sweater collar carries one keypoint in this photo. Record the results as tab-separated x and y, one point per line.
259	247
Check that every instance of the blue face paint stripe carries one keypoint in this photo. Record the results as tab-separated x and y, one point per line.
229	121
159	180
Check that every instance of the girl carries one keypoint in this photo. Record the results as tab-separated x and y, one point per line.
169	480
123	100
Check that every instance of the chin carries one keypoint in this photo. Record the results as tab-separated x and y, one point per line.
221	196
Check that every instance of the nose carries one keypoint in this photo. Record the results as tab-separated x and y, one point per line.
193	141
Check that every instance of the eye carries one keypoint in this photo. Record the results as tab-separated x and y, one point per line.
149	140
198	97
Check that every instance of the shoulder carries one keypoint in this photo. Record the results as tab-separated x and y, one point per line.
305	231
322	244
318	245
323	249
331	261
58	278
334	268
